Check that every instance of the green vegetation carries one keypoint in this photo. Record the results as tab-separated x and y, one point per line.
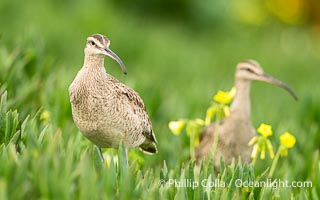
176	64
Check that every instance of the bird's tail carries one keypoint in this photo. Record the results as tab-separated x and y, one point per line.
149	147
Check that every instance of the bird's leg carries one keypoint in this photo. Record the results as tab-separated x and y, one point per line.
100	154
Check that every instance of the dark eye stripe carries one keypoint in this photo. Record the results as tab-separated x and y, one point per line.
99	38
249	70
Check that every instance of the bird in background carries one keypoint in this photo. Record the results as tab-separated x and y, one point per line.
105	110
236	130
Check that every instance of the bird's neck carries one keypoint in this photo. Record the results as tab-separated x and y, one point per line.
240	107
93	62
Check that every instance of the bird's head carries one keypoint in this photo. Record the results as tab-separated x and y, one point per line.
98	45
251	70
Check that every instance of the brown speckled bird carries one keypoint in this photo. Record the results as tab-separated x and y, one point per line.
105	110
236	130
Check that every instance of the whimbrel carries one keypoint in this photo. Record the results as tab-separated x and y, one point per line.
236	130
105	110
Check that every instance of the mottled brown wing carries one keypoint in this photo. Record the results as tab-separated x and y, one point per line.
132	95
135	98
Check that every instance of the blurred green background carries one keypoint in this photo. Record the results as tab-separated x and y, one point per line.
178	53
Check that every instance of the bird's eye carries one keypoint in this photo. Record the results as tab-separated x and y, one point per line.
92	43
249	70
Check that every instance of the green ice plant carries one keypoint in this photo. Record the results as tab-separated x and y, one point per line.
219	108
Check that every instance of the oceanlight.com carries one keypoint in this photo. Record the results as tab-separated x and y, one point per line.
276	183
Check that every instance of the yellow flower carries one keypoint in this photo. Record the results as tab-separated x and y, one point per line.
194	126
210	113
226	110
283	151
176	126
270	149
225	97
254	151
261	144
108	157
287	140
265	130
253	140
199	121
45	116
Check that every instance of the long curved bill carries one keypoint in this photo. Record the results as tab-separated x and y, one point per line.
270	79
114	56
